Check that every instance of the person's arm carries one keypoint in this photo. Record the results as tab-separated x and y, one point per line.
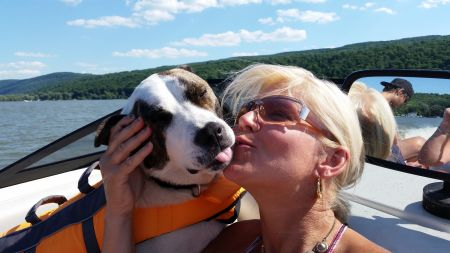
410	147
436	150
117	167
118	235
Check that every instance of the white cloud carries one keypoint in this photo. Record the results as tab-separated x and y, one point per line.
153	17
245	54
306	16
370	6
266	21
365	6
281	34
235	38
427	4
108	21
23	64
31	54
214	40
276	2
152	12
72	2
224	3
350	6
385	10
19	74
165	52
21	69
173	7
313	1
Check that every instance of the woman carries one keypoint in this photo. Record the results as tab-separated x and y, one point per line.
293	152
377	121
298	143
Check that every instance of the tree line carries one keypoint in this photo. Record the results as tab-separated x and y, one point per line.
425	105
430	52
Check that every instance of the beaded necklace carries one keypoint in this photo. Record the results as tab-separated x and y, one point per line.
320	247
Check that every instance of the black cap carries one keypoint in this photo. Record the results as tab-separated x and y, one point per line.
401	83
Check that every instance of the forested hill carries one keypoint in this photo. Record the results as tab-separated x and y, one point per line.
37	83
429	52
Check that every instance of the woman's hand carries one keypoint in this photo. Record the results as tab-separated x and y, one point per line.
122	181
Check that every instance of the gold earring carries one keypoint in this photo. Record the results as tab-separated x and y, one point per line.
319	188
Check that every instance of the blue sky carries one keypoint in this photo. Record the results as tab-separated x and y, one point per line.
103	36
420	85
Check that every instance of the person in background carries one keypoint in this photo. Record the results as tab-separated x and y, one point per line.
377	122
298	143
397	93
436	150
379	129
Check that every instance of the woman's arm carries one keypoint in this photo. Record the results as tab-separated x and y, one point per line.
436	150
117	167
118	234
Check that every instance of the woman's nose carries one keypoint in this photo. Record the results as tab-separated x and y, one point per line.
249	122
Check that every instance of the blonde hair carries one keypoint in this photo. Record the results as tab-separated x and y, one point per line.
376	118
327	102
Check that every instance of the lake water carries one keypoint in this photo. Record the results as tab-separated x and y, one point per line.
28	126
417	126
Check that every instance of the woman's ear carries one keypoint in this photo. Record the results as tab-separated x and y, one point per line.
334	162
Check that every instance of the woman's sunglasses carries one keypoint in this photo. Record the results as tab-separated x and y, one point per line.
282	110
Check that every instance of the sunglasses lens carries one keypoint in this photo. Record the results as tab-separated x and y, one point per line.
279	110
276	110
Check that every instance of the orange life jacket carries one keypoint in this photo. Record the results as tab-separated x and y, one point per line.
77	225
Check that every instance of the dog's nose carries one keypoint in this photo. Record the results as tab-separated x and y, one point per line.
212	135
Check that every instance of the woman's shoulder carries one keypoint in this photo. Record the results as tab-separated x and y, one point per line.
236	237
355	242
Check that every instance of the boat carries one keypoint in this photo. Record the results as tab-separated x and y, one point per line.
400	207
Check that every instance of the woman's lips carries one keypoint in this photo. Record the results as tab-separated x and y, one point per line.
243	142
242	145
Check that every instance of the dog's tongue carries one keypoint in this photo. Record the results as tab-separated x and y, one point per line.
224	156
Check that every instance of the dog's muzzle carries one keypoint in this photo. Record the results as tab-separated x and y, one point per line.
216	141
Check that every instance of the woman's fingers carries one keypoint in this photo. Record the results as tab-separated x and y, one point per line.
133	161
128	135
123	130
125	121
124	149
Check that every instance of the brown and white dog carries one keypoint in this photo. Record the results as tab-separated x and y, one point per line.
191	146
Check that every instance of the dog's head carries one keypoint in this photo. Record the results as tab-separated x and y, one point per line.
191	143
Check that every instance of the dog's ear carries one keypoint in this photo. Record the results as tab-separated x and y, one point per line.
186	67
104	130
218	109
